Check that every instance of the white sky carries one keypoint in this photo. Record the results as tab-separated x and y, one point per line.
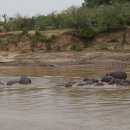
33	7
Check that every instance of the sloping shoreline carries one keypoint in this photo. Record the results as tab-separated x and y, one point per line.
92	58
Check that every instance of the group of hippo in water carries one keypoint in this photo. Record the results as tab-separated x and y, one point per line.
23	80
117	77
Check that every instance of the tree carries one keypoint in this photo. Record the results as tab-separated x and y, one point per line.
92	3
5	18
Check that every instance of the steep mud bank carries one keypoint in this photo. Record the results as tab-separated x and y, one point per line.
104	50
63	40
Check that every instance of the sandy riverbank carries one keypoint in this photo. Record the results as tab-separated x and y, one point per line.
92	58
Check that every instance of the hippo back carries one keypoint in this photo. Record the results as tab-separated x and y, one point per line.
24	80
118	75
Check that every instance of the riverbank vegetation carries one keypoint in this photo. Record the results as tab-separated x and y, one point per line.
94	16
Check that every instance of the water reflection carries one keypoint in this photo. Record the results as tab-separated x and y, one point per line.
48	71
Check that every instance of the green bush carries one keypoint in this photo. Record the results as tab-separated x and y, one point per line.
39	37
88	20
14	38
87	33
49	38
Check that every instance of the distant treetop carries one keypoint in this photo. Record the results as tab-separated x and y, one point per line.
92	3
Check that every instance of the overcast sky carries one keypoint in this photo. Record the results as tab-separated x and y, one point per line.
33	7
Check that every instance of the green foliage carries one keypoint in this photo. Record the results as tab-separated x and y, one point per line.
93	17
14	38
90	21
92	3
112	17
87	33
40	37
49	38
42	22
76	47
20	23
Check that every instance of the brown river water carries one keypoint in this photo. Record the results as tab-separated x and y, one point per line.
47	105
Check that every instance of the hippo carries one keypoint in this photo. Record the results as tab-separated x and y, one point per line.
81	84
107	79
90	81
118	75
126	83
24	80
120	82
99	84
113	81
9	83
1	83
69	84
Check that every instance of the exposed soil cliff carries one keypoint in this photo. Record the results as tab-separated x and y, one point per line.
106	49
116	39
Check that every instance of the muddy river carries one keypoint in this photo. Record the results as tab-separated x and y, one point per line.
47	105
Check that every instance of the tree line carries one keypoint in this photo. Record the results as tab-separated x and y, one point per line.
92	17
92	3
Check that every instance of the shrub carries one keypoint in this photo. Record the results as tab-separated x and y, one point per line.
87	33
14	38
49	38
39	37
